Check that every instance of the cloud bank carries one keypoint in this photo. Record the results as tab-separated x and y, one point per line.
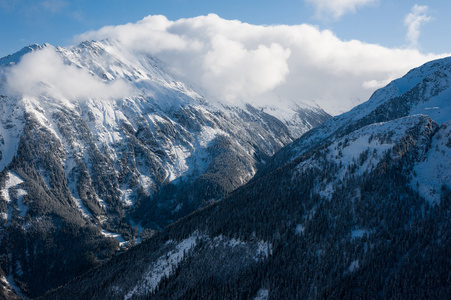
337	8
414	20
43	72
235	61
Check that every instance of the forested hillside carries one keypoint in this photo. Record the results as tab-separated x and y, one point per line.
363	213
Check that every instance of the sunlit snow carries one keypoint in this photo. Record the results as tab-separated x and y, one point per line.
117	236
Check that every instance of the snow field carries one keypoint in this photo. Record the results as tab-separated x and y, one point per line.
12	181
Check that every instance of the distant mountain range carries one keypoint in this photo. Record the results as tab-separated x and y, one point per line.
358	207
100	148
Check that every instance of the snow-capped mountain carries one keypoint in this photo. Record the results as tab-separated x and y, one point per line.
358	208
423	90
100	146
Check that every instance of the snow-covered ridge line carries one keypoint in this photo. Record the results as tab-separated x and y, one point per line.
423	88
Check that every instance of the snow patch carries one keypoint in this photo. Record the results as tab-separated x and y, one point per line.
140	229
262	294
207	135
117	236
21	207
127	197
299	229
11	181
107	118
163	267
359	233
264	250
81	207
145	182
9	280
102	203
354	266
179	165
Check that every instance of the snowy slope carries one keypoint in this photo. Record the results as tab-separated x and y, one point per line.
433	171
11	127
360	152
423	90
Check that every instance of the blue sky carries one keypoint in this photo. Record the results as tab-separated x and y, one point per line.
334	53
24	22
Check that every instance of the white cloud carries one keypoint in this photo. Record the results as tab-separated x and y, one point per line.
239	72
414	20
337	8
208	51
236	61
150	34
44	72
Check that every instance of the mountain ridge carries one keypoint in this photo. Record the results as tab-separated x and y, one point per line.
385	104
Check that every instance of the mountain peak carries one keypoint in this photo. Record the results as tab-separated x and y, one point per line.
16	57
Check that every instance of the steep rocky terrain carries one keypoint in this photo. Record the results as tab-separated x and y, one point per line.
357	208
100	147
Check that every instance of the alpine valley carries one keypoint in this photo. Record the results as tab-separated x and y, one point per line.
356	208
86	177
